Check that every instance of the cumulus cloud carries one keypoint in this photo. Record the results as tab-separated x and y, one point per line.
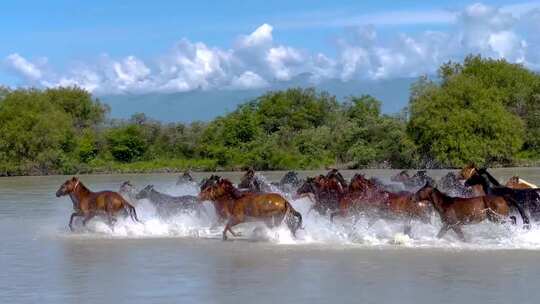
24	67
257	59
248	80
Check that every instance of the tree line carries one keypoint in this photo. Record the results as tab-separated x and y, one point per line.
481	111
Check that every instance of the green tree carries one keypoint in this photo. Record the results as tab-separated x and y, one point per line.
126	143
35	133
517	87
462	121
85	111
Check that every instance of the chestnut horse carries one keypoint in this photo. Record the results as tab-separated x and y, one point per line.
458	211
240	207
327	190
517	183
88	204
366	196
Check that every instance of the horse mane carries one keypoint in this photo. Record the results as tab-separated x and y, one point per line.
490	177
230	188
82	187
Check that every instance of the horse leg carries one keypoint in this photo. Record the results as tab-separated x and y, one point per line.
408	227
233	221
73	215
522	213
333	214
443	230
459	232
88	217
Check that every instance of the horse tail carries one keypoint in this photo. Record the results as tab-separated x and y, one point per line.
294	226
520	209
132	212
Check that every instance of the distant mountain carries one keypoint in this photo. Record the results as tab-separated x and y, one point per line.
208	104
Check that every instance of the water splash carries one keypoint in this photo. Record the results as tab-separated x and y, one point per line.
318	229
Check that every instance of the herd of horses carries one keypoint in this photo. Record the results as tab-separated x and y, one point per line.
469	196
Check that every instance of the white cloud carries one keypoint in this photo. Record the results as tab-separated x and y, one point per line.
257	59
24	67
262	36
248	80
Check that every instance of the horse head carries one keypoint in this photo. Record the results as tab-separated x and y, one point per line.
144	193
310	185
290	178
69	186
185	178
126	187
401	176
217	187
467	171
250	181
477	178
334	173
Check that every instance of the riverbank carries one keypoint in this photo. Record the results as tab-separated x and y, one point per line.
101	167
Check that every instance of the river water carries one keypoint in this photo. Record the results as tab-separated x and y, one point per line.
183	260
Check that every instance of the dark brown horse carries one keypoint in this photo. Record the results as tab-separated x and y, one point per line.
240	207
521	199
327	191
251	182
458	211
88	204
364	196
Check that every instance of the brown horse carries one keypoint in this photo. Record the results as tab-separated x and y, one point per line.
517	183
327	192
88	204
365	196
458	211
240	207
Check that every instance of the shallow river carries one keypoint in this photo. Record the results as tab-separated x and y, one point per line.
183	260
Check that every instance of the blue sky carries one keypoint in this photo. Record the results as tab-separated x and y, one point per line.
143	46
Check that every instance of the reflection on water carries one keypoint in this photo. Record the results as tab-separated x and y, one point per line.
183	260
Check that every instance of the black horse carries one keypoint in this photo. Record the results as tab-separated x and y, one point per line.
289	183
254	183
168	205
522	199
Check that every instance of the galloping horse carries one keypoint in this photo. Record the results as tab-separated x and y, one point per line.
417	180
520	198
517	183
365	196
185	178
167	205
458	211
240	207
88	204
289	182
251	182
327	190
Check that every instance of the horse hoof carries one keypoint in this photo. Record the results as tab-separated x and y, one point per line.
527	226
